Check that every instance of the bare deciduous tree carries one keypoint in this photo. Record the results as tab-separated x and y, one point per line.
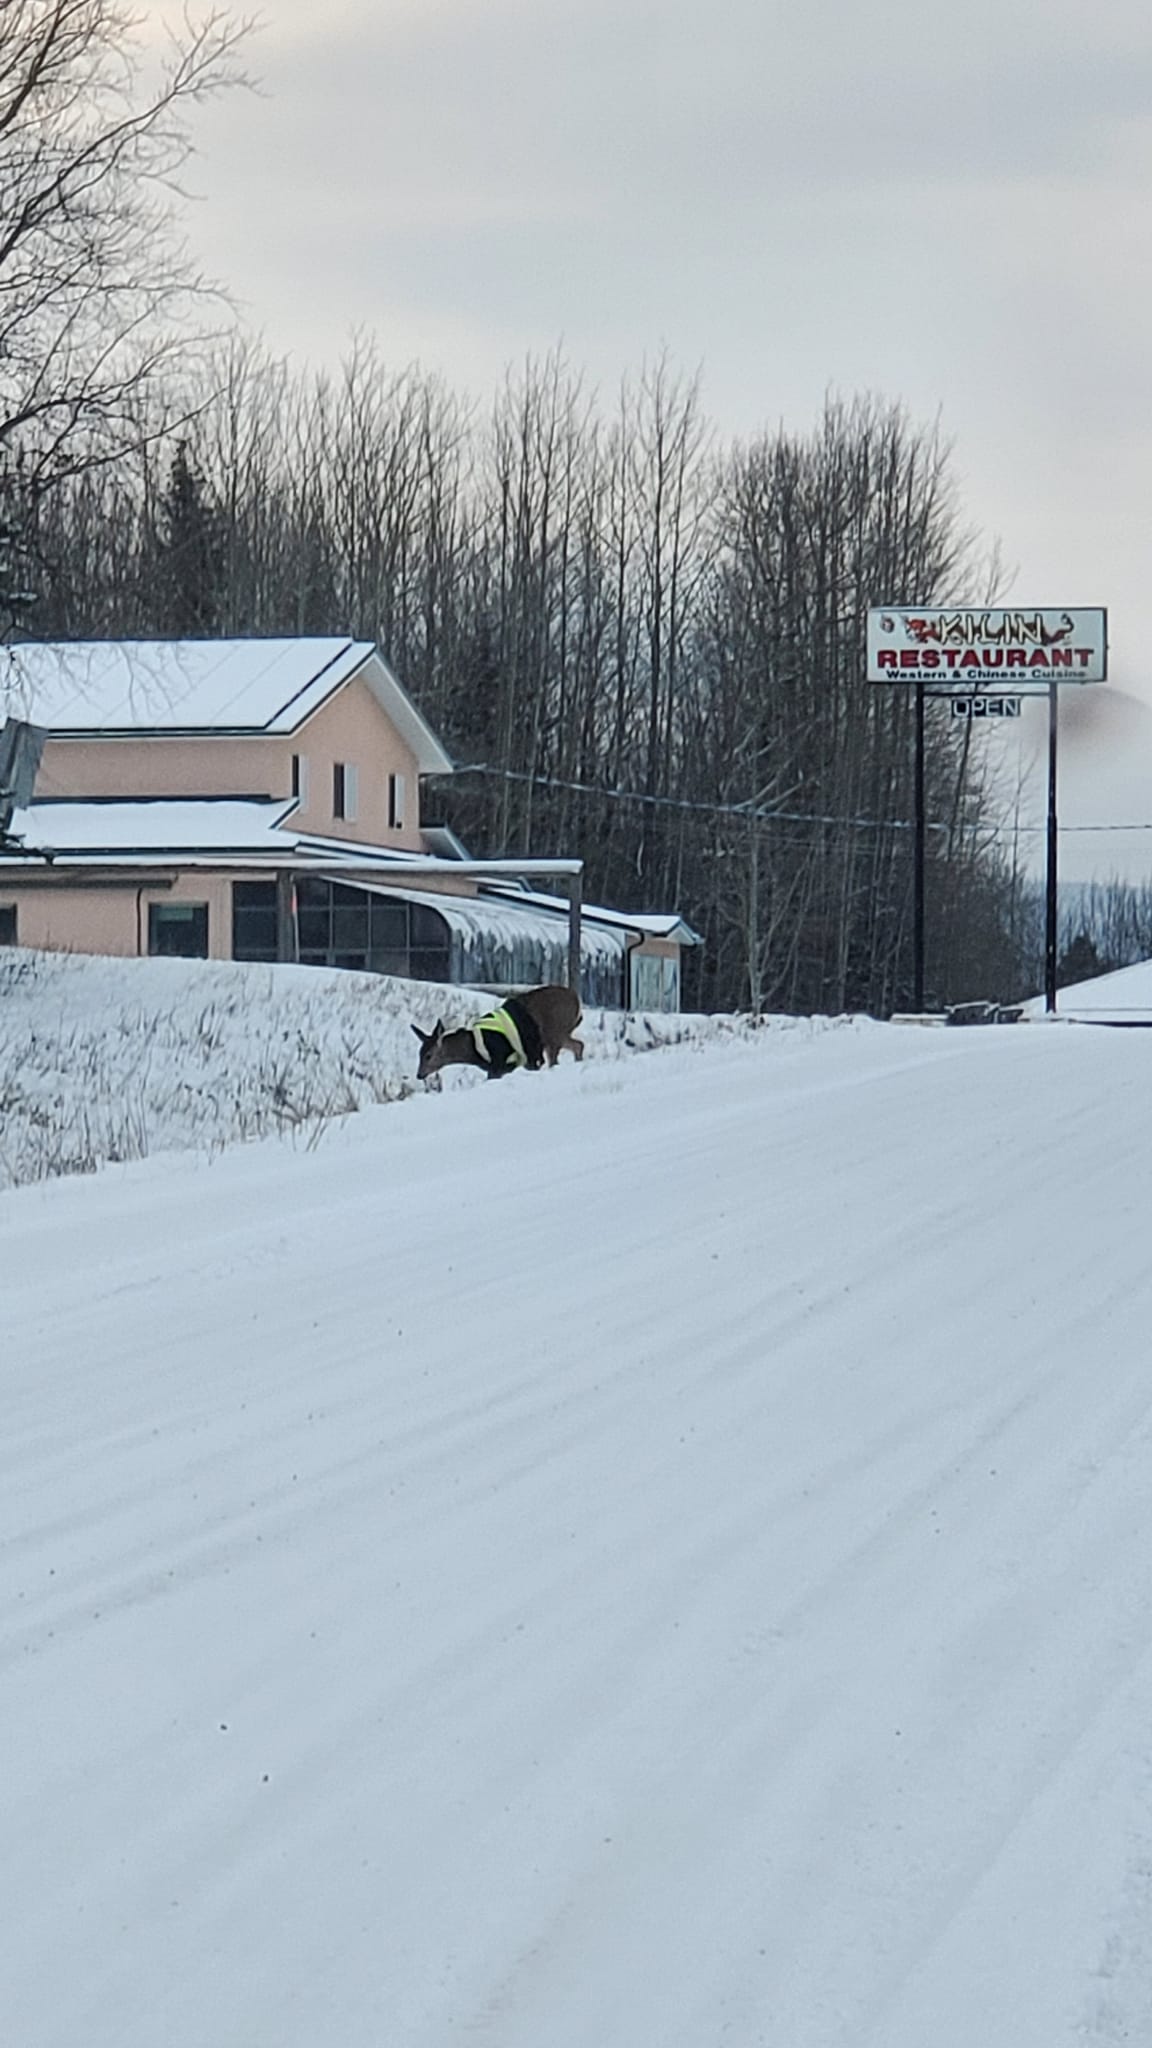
97	290
646	651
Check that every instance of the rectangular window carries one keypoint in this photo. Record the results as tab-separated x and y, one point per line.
314	916
344	790
178	930
300	779
396	801
7	924
254	921
389	926
350	921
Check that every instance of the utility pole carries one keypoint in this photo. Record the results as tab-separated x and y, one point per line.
1051	918
918	885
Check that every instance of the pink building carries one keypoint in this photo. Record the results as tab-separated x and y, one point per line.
260	800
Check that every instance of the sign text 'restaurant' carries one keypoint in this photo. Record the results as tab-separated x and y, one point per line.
962	647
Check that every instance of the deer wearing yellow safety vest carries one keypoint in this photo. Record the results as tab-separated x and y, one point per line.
525	1031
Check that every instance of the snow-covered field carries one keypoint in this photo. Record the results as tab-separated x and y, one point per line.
653	1555
109	1060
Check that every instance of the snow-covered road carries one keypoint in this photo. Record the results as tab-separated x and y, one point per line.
652	1556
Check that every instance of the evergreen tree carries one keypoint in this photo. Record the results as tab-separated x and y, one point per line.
191	551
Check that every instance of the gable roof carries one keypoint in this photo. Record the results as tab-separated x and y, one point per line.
85	689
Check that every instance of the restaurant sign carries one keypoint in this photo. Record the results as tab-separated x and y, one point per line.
972	648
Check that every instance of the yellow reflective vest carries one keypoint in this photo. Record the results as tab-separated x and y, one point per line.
500	1021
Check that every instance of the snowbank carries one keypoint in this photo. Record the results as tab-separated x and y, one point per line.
104	1060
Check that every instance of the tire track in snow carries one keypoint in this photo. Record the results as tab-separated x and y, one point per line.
556	1698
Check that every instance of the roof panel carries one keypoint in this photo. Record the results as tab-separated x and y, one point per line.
166	826
120	686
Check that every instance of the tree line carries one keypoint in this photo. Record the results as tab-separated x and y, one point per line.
640	644
637	644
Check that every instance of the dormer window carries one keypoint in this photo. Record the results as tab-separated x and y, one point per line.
344	791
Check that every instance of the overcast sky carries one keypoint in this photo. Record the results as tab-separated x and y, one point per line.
941	201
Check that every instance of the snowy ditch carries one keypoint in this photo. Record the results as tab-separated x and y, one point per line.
110	1060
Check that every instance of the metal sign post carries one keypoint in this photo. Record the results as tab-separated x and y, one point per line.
1051	891
919	862
984	661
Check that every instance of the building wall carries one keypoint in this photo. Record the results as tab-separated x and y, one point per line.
111	917
350	729
62	920
133	768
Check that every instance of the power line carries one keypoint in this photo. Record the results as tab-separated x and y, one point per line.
747	810
759	812
1012	830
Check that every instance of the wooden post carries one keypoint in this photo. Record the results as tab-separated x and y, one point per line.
286	943
575	905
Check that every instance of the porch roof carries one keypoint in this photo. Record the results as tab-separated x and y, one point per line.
215	832
652	924
480	918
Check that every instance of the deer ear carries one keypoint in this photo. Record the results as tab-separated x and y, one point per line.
438	1034
419	1033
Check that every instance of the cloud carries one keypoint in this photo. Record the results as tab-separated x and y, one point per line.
673	112
944	204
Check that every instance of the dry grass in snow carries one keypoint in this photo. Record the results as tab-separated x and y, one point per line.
105	1060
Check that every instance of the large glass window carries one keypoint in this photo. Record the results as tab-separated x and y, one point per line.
7	924
341	926
254	921
178	929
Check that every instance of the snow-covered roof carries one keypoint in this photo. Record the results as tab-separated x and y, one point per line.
165	827
195	830
653	924
118	688
480	918
1123	997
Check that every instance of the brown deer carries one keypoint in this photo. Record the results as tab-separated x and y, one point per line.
524	1032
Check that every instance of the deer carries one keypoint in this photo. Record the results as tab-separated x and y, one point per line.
525	1031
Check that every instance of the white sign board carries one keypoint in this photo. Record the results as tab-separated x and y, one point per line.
1020	650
